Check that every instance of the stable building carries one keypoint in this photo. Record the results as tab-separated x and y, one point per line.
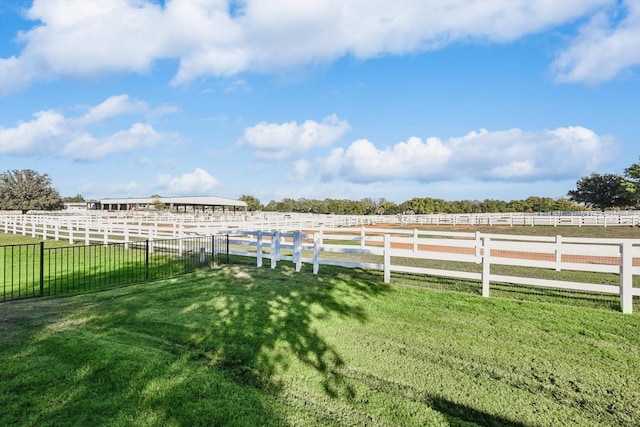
174	204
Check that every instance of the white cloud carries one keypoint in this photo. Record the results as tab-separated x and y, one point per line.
603	49
35	136
112	107
50	133
277	141
486	156
80	37
87	147
198	182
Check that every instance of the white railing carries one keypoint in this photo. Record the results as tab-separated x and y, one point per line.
611	256
555	254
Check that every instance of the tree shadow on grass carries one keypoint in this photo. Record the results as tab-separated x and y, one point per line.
209	348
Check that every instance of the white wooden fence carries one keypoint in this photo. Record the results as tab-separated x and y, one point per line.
555	254
386	247
303	221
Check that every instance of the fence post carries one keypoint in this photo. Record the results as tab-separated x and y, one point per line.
227	244
146	259
387	258
56	231
213	250
70	229
486	266
478	248
316	252
86	233
259	250
275	246
558	253
415	240
362	235
126	236
297	250
626	277
42	268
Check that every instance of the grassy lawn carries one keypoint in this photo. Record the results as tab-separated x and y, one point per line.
245	346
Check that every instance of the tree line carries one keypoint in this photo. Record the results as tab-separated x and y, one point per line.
26	190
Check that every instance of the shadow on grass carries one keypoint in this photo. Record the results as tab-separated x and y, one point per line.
209	348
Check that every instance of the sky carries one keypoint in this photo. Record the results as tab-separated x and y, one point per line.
315	99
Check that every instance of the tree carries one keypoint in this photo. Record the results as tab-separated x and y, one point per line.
76	198
253	204
600	191
26	190
631	184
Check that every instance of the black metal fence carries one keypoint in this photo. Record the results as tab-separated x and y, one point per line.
31	270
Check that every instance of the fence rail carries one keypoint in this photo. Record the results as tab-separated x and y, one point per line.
33	270
608	266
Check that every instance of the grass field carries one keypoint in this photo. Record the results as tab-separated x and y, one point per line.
75	268
244	346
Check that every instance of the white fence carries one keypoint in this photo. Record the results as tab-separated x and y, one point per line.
392	248
303	221
389	250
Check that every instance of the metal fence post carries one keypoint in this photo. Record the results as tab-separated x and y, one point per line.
42	268
213	250
227	248
146	259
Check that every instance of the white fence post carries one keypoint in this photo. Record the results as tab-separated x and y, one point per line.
56	231
387	258
275	247
126	237
297	249
70	229
316	252
259	250
478	248
486	266
86	233
415	240
626	277
558	251
33	227
362	236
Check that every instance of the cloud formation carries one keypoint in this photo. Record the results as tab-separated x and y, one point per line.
207	39
278	141
511	155
195	183
604	47
50	133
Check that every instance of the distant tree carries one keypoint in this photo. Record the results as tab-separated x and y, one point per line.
26	190
601	191
253	204
76	198
631	184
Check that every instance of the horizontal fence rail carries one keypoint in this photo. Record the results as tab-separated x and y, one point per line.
33	270
606	266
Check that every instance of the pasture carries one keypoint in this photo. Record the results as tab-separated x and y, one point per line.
245	346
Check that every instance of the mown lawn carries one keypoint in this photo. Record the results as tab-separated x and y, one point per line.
245	346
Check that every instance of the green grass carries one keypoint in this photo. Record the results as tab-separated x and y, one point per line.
245	346
76	268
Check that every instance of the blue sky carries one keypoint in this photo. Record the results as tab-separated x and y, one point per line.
315	99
